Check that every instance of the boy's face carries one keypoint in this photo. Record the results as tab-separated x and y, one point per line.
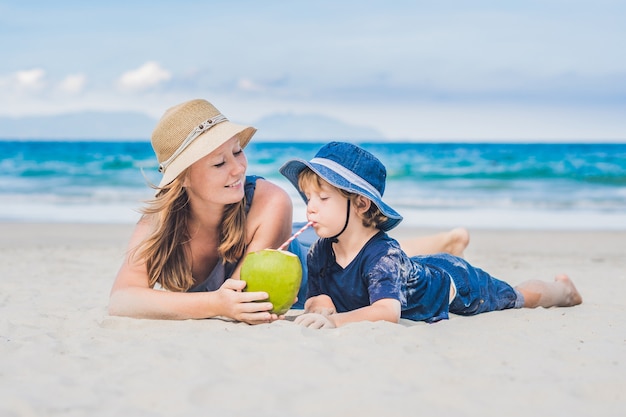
326	207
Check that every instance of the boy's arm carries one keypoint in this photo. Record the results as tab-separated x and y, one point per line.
321	304
387	309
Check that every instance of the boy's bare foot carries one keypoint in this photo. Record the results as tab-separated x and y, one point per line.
572	296
559	293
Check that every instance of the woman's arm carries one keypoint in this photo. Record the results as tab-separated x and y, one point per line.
132	296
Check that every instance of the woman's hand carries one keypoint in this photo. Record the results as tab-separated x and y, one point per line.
315	321
245	306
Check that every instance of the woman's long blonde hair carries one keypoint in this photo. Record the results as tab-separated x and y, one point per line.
166	250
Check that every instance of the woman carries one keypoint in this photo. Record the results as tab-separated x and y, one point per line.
205	217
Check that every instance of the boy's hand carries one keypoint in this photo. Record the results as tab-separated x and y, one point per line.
321	304
324	311
314	321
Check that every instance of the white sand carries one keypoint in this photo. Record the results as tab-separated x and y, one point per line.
62	355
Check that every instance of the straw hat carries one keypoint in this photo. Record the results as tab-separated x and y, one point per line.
188	132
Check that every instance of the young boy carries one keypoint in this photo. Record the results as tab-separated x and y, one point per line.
357	272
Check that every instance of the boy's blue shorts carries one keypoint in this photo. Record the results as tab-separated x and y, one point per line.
477	291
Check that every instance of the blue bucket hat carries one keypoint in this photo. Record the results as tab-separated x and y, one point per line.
350	168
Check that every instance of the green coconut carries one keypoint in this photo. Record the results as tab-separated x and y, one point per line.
277	272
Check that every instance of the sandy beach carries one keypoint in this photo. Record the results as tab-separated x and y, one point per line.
62	355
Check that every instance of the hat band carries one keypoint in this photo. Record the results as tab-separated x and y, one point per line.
200	129
348	175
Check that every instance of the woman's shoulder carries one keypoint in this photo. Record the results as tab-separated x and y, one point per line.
268	192
269	218
143	228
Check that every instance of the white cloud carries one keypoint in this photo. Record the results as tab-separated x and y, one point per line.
246	84
32	79
73	83
148	75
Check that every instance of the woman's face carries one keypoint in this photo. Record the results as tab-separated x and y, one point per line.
219	177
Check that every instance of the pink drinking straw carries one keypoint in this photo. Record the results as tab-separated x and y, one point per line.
295	235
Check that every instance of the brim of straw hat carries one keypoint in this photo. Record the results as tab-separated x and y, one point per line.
292	169
204	145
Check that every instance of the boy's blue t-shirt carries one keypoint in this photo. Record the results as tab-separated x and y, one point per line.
380	270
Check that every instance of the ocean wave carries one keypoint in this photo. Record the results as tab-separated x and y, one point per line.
41	178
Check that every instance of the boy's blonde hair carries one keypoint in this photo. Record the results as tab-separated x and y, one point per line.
308	179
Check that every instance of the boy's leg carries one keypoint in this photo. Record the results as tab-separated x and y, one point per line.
560	293
453	242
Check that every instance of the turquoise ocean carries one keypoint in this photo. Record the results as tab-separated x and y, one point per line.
440	185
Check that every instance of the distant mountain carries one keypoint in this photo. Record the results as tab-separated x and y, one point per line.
138	126
83	125
311	127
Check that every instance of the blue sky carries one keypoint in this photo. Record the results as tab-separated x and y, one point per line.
547	70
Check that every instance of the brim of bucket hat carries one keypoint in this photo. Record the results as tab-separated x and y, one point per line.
204	145
292	169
